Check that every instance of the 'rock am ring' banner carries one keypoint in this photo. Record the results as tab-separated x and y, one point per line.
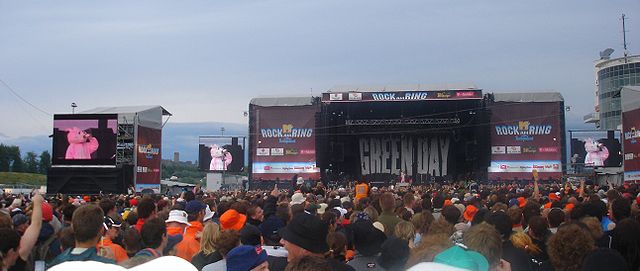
285	143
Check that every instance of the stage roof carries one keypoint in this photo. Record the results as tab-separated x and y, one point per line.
148	115
282	101
408	87
630	98
531	97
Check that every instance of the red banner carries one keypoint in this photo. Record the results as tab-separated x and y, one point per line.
526	136
631	144
149	159
285	143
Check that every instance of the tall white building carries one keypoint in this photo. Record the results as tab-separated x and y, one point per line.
610	76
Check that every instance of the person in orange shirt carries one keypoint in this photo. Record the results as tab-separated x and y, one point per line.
362	189
177	222
112	229
190	244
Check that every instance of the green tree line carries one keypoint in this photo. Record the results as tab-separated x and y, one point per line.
11	160
187	173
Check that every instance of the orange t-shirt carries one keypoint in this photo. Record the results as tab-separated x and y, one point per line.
190	245
362	190
118	251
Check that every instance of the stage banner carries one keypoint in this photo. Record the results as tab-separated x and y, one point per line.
526	136
285	143
631	144
420	155
401	96
149	159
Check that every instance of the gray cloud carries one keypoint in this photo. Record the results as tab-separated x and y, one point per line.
204	60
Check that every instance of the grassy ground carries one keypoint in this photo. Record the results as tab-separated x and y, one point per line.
22	178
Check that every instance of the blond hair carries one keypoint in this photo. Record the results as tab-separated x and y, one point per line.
210	234
405	231
523	241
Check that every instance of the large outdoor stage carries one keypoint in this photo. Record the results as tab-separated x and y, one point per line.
419	133
427	135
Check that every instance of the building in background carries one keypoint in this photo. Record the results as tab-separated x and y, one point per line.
611	75
176	156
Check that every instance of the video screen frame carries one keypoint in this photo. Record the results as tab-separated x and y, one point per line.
93	144
221	153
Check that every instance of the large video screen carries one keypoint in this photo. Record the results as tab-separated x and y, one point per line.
595	149
221	154
81	139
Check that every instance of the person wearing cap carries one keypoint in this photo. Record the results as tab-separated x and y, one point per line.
232	220
367	241
307	235
47	242
247	258
190	244
113	229
553	197
177	222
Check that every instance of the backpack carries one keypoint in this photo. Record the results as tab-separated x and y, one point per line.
40	252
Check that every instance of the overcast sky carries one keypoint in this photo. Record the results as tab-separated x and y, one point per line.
204	60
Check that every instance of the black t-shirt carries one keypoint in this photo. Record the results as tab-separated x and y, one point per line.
20	265
519	259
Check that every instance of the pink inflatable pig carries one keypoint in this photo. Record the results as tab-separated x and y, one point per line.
597	153
81	144
220	158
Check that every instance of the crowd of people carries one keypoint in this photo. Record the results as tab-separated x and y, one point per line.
463	226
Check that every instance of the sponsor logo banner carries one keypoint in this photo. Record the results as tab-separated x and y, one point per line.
277	151
525	166
514	150
498	149
262	152
631	144
355	96
284	167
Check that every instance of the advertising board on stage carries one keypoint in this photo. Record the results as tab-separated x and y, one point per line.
149	159
285	143
526	136
399	96
631	135
88	139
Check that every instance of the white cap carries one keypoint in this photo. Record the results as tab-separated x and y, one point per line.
322	207
178	216
378	226
342	211
297	198
300	181
345	199
208	214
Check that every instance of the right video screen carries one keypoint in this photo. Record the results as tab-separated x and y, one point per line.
596	149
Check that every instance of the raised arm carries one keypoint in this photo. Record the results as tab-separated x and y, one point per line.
536	190
30	236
